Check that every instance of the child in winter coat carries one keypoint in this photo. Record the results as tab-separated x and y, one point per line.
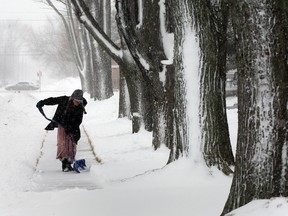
67	119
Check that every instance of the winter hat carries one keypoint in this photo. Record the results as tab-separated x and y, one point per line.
77	95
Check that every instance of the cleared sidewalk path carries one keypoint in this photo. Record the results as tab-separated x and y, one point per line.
49	176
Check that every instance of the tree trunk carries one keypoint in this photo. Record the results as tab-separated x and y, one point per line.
124	101
201	26
146	53
261	158
142	36
213	21
134	88
102	61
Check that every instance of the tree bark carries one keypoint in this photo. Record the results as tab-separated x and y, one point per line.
141	34
124	101
261	158
204	24
213	21
102	61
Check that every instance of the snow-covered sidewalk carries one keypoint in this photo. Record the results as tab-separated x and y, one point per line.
49	176
131	179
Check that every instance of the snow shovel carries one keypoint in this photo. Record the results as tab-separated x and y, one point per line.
79	165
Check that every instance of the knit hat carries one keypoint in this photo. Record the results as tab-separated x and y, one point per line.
77	95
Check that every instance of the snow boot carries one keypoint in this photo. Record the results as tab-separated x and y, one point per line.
66	165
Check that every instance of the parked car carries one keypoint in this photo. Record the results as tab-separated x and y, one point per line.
22	86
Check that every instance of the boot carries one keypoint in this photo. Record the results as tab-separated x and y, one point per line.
69	167
64	165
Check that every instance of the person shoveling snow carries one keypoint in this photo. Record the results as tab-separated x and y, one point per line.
67	119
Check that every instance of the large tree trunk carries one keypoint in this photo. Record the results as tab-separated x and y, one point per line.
102	61
135	89
202	26
178	115
212	21
262	146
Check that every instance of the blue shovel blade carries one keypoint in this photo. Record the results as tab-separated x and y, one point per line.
79	165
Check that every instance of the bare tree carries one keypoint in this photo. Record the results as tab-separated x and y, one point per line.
93	66
52	49
143	33
120	55
101	76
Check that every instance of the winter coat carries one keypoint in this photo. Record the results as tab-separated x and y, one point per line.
67	115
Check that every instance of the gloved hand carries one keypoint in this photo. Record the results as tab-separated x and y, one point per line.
51	126
40	104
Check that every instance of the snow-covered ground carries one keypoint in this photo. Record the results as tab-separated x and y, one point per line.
132	179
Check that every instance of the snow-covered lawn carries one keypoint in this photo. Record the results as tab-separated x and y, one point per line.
132	178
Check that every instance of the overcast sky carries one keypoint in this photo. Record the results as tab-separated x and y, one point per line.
28	10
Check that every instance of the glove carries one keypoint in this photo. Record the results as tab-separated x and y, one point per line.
40	104
51	126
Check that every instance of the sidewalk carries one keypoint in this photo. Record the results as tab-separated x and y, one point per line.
49	176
